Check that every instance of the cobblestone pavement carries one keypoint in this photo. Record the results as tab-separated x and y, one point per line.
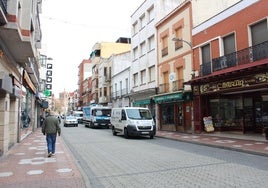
244	143
27	165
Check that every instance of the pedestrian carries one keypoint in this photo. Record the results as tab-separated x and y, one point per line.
51	128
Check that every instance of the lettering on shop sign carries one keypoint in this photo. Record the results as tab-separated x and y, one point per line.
238	83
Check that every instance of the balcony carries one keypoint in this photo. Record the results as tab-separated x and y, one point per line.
18	33
164	51
163	88
177	85
32	69
243	57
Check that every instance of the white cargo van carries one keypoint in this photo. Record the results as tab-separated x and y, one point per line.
132	121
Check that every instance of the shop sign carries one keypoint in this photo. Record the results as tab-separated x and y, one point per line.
5	82
142	102
166	98
238	83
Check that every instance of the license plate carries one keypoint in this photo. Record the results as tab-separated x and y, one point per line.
144	132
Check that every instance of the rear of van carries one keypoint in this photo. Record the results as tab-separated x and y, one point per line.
133	121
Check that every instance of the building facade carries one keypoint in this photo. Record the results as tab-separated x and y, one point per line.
20	41
120	74
100	53
231	56
173	98
84	72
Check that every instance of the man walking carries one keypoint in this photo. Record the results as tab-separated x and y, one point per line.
50	128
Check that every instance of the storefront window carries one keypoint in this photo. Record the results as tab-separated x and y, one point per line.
26	108
227	112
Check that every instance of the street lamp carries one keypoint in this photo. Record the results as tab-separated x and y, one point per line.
194	73
179	39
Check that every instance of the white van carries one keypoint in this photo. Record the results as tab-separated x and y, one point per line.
133	121
79	116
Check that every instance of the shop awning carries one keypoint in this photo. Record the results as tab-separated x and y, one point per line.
174	97
29	82
142	102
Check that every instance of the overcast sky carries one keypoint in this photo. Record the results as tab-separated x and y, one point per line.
71	28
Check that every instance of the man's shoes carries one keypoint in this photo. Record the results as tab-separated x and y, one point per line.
53	154
50	154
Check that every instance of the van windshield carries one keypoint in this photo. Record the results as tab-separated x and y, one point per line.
101	112
139	114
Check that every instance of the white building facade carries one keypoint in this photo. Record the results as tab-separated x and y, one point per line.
120	74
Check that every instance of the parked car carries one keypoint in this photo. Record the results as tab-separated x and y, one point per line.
70	121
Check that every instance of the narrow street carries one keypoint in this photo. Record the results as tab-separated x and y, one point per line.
113	161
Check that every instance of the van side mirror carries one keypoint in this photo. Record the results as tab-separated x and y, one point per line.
123	116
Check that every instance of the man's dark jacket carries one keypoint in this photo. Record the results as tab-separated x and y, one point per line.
51	125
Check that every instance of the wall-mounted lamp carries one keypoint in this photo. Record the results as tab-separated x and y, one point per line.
178	39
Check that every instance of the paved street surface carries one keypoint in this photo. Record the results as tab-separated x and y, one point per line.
95	158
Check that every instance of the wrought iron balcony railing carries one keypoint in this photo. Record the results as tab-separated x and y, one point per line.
245	56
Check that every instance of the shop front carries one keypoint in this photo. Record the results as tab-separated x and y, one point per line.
174	111
28	107
239	104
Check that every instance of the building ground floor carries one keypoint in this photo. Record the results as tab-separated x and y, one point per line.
238	103
174	111
20	111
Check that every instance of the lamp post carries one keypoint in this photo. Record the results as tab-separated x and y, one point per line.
179	39
190	45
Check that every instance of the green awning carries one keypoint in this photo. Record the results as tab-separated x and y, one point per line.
176	97
142	102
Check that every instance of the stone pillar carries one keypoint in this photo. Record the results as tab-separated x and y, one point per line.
4	122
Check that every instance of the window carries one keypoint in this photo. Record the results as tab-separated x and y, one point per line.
143	76
142	22
105	92
229	44
151	43
143	48
205	54
259	32
135	28
151	73
135	76
135	53
120	88
164	46
178	34
115	89
127	85
150	14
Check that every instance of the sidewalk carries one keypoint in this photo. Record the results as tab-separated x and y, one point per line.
244	143
27	165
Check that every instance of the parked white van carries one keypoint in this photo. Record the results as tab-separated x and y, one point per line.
133	121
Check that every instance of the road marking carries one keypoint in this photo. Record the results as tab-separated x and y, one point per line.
35	172
5	174
64	170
